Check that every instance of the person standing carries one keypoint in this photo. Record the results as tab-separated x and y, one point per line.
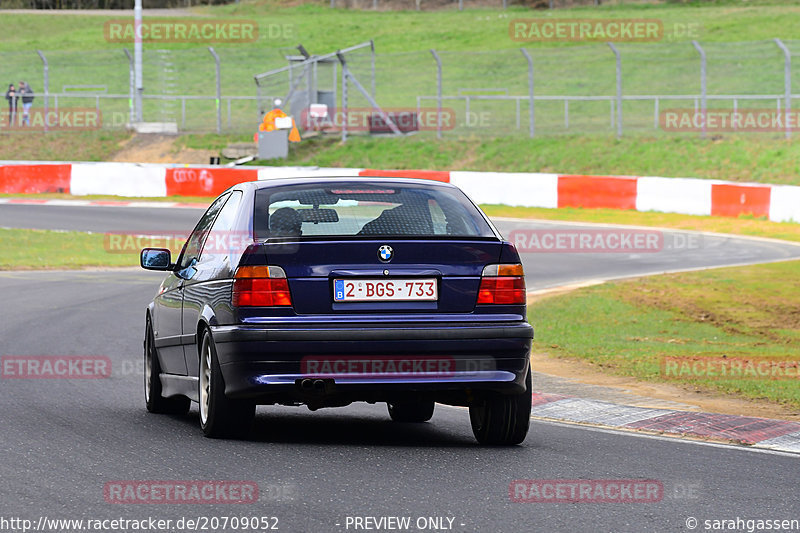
26	93
11	96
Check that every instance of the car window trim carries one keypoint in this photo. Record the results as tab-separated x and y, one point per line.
225	194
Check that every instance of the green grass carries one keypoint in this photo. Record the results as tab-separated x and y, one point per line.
37	249
747	226
628	328
476	51
62	146
731	158
400	31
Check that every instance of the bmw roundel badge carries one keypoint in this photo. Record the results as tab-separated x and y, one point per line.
385	253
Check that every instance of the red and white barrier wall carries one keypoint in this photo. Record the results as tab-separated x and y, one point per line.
691	196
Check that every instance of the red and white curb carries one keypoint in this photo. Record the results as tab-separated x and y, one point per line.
780	435
779	203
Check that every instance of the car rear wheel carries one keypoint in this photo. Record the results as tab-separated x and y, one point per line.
411	411
154	401
502	419
220	416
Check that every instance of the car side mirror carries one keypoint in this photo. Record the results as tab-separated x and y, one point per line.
156	259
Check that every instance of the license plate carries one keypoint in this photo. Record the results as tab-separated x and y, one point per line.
384	290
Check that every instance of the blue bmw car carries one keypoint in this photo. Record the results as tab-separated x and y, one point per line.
326	291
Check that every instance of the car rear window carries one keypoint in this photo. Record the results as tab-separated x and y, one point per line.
365	210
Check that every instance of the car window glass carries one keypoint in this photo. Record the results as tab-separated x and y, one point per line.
437	218
366	210
194	244
222	239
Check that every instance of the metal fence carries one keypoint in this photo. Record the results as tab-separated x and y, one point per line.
602	88
590	89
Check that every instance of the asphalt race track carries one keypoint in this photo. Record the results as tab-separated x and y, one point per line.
63	440
678	250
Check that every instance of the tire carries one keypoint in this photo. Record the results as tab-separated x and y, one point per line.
502	419
411	411
220	416
155	402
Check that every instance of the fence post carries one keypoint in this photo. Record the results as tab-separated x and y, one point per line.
46	85
655	113
311	73
460	5
335	72
702	83
530	91
372	50
131	84
137	57
219	89
344	103
438	93
619	88
787	84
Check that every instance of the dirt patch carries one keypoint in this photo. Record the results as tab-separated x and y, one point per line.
705	401
154	148
725	308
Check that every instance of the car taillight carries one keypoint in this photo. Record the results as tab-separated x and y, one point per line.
502	284
260	286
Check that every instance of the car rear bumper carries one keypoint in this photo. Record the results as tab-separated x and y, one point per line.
365	362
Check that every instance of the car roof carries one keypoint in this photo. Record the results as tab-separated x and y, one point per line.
327	180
